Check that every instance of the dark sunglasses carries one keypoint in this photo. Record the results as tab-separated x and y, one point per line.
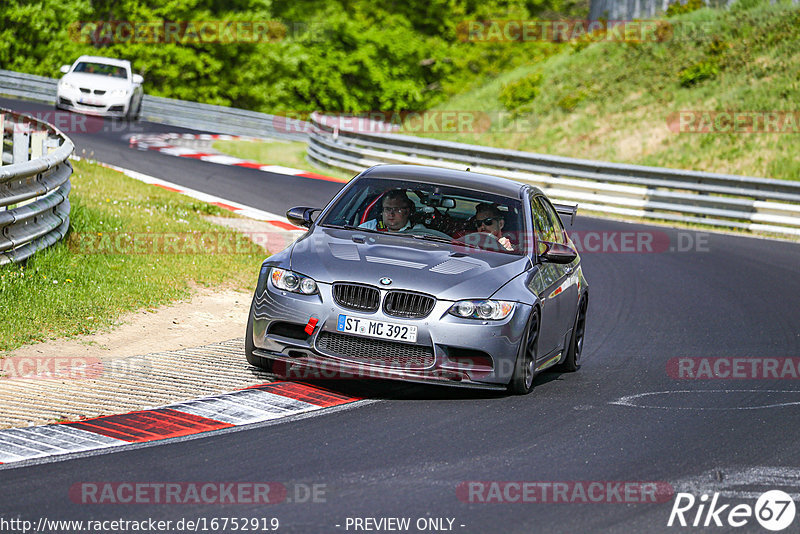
486	222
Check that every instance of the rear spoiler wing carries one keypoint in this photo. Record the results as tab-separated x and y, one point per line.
566	209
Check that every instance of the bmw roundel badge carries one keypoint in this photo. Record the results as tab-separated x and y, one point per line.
385	281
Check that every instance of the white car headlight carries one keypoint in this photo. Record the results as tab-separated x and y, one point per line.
66	85
482	309
118	92
291	281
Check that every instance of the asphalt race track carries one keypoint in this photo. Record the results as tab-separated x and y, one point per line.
626	416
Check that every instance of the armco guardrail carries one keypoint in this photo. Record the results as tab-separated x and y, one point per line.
755	204
34	186
203	117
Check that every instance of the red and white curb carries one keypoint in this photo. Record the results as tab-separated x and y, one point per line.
165	144
267	402
240	209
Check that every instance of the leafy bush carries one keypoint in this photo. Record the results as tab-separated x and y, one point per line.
520	94
571	101
702	70
678	8
717	46
707	68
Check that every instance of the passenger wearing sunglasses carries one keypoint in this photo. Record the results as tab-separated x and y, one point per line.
489	219
395	212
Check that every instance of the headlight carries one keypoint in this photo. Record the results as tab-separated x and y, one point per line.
291	281
119	92
66	85
482	309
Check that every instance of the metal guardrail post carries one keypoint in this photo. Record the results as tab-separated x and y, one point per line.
50	145
37	144
21	143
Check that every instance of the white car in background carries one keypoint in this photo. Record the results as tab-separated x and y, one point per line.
100	86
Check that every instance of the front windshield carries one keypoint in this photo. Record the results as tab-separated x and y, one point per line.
101	69
465	217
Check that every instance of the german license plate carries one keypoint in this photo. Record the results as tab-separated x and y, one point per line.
379	329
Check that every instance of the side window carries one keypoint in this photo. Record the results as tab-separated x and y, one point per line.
543	227
555	222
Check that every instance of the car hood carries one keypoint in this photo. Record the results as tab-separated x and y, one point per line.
446	271
94	81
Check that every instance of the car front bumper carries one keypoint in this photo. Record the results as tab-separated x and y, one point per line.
449	350
102	105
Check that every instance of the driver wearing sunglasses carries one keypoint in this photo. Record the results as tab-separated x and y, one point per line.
489	219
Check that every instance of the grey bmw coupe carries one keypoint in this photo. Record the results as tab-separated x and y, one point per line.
423	274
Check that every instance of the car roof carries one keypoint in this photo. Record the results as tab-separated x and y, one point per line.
438	175
106	60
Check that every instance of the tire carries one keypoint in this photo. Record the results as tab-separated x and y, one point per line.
249	346
522	380
573	360
130	116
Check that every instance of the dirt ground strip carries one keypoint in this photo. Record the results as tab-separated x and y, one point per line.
174	353
120	385
210	316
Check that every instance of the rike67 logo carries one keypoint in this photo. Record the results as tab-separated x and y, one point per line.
774	510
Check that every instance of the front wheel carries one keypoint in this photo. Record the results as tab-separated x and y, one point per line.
131	115
522	380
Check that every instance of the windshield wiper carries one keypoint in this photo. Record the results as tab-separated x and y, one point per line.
351	227
440	239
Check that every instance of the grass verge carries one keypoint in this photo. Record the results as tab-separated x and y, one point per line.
130	246
285	153
622	101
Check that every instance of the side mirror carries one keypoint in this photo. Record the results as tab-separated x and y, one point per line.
64	69
558	253
301	216
137	79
